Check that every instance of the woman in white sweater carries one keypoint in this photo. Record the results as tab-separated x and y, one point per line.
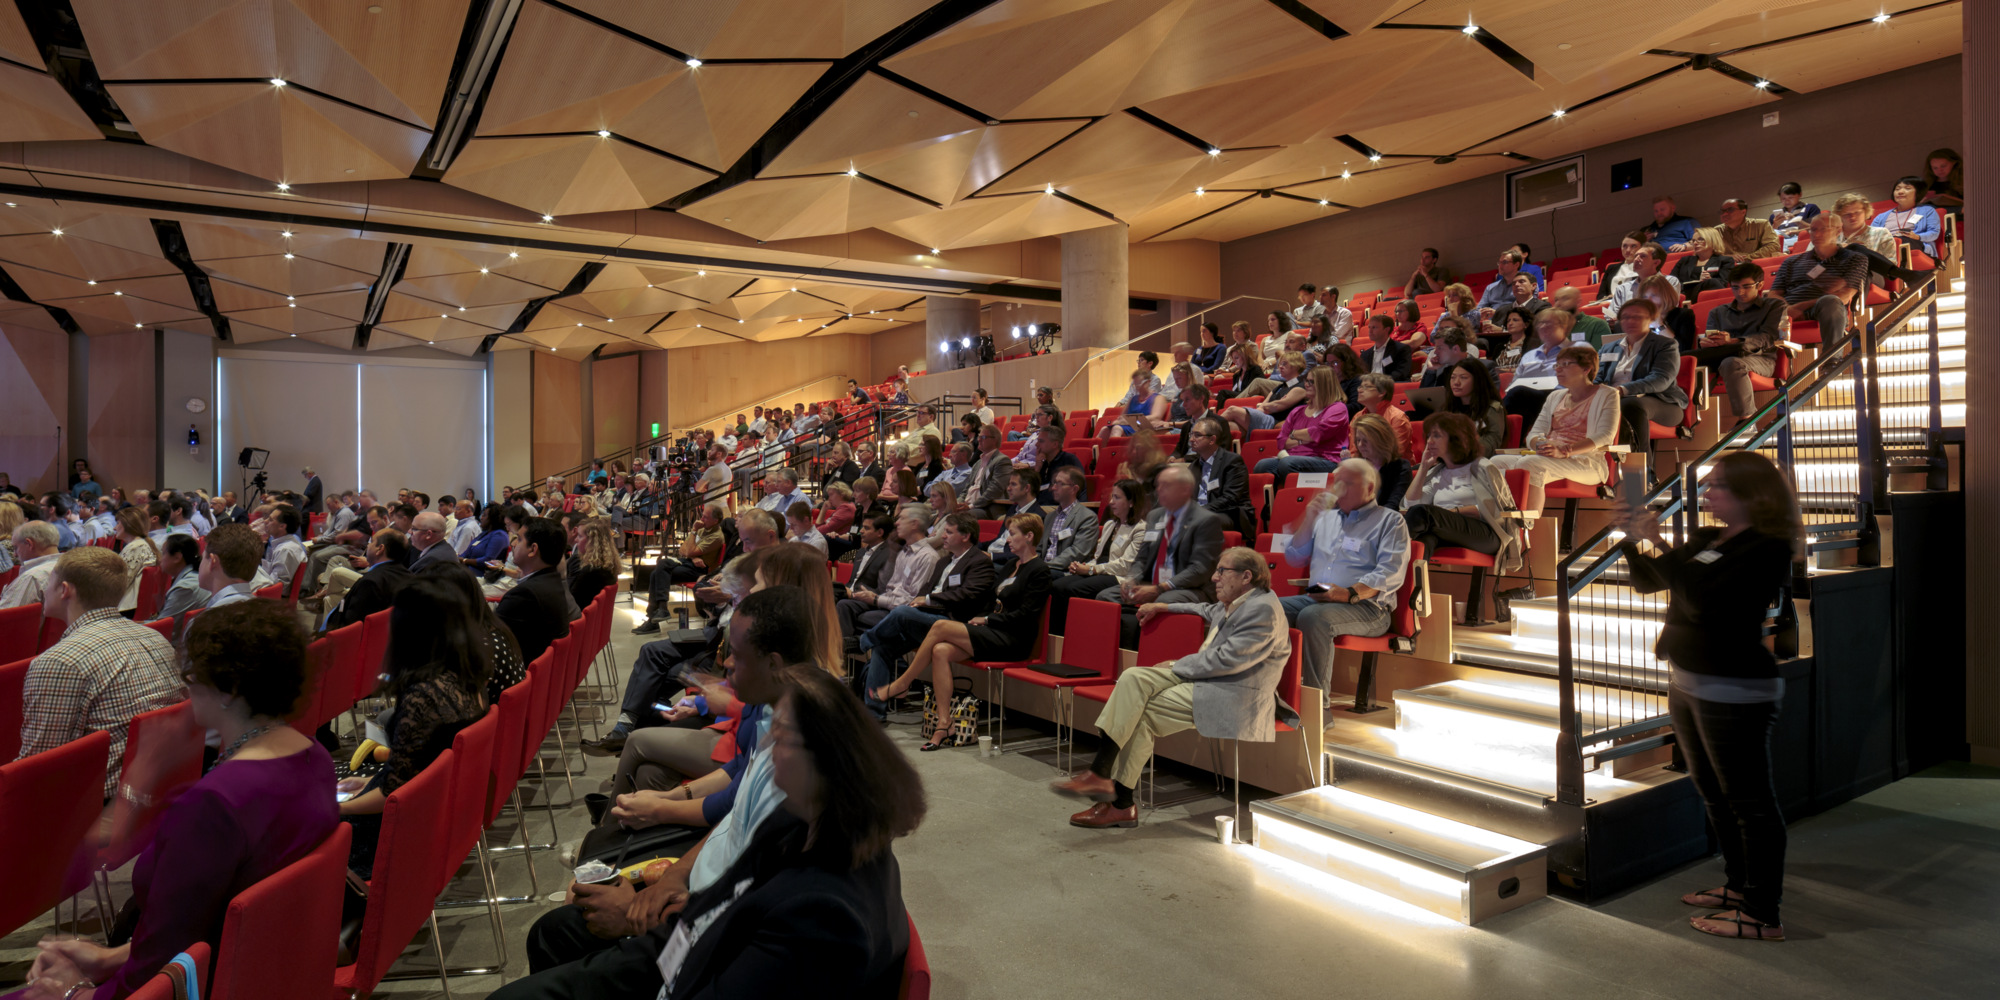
1118	537
1577	423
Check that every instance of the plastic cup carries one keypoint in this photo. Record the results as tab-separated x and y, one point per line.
1225	829
986	746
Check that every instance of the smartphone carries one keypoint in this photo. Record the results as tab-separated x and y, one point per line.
342	796
1632	488
1318	588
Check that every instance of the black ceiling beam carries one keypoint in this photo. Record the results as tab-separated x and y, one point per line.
395	257
59	38
13	291
173	246
481	17
1310	18
584	276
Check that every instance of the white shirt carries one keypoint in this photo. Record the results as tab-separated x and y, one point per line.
27	588
464	534
282	559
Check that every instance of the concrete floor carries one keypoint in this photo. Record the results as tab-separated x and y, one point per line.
1894	894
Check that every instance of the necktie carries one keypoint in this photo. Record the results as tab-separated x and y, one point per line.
1160	555
1062	514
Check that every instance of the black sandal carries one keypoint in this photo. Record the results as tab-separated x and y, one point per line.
940	739
1714	899
1739	925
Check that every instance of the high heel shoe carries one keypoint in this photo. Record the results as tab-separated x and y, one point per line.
882	693
940	739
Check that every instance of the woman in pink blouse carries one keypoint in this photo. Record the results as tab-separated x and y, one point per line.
836	515
1314	433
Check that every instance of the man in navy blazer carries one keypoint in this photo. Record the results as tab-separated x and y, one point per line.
537	608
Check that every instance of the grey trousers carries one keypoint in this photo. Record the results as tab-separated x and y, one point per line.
659	758
1320	623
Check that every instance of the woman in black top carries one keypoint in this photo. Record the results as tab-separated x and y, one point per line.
508	669
1244	360
595	564
1726	687
1008	633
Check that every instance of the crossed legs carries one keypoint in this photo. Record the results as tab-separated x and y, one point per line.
946	643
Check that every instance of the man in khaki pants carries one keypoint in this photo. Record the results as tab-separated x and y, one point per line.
1227	689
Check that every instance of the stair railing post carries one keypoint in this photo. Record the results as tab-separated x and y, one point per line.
1569	747
1939	478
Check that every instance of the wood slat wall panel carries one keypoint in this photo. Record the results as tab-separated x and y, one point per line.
558	414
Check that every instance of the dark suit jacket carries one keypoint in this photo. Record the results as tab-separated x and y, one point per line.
1230	497
442	552
1019	607
536	610
1197	547
1656	373
869	565
313	504
375	591
1399	359
973	595
808	925
1047	471
873	471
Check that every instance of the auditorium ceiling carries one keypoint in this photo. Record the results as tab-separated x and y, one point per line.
481	175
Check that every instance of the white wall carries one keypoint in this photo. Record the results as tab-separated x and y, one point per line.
360	420
187	371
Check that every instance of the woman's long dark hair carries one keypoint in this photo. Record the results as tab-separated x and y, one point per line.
436	630
1481	398
1765	494
494	518
1135	494
868	793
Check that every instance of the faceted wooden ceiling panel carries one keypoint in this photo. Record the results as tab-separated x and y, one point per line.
80	258
393	57
563	74
1453	129
282	134
787	208
571	174
1752	24
1902	41
16	43
1672	100
1224	216
875	120
759	29
27	316
979	221
35	108
131	310
298	276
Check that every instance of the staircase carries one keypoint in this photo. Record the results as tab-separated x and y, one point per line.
1484	786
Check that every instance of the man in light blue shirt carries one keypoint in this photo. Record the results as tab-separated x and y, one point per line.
1524	397
1358	551
104	523
1500	291
960	471
781	491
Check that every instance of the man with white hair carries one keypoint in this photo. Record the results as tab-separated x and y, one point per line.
1358	552
781	491
35	554
429	540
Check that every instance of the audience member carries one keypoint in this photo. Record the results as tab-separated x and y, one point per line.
1646	263
1531	385
1610	276
1743	237
1703	268
1430	277
1222	479
1208	357
1338	316
1819	283
1673	317
1793	211
983	491
1409	323
1177	554
1500	291
1023	494
1743	337
1143	407
1669	228
436	670
1054	458
905	562
1314	435
1388	356
1584	328
1523	300
1072	527
1308	306
1513	343
1281	397
1227	689
180	560
1573	427
1916	225
1943	185
388	573
1645	368
229	564
1377	396
428	542
1120	532
284	552
536	609
262	806
1459	498
138	551
1243	363
961	588
595	564
1374	442
465	528
1433	391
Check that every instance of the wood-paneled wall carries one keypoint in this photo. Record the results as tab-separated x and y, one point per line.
706	383
34	401
512	387
124	410
614	403
558	415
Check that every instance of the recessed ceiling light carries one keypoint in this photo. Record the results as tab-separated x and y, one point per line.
694	63
1049	189
461	308
1374	157
604	133
795	288
1214	151
482	270
277	81
55	232
12	205
118	293
1882	18
934	251
548	218
291	305
552	350
295	336
443	316
288	256
139	326
1557	113
1564	46
512	254
282	186
90	282
288	298
1762	84
1470	29
1199	191
1322	202
1345	174
430	341
286	234
699	274
851	172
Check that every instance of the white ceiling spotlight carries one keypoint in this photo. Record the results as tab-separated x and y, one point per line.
1214	151
513	254
1470	29
286	234
283	187
851	172
1557	113
1762	85
1049	189
1199	191
277	81
1323	203
604	133
288	256
548	218
1345	174
1882	18
1374	157
694	63
55	232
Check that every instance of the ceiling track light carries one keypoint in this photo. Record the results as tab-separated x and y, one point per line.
496	22
1374	157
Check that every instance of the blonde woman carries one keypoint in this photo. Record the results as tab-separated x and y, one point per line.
138	552
11	517
943	498
1703	269
596	565
1459	303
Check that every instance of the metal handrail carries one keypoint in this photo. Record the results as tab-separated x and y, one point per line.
1855	349
688	425
1133	340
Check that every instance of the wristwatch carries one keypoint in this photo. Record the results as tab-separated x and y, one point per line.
82	985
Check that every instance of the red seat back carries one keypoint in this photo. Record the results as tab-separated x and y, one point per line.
404	882
19	629
51	633
13	683
1289	504
1512	439
471	779
1290	682
1168	637
152	582
164	626
161	986
374	646
280	936
63	790
1091	641
298	581
508	761
343	663
163	751
916	968
1403	621
1260	489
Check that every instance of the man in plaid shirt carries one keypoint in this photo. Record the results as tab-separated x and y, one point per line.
104	671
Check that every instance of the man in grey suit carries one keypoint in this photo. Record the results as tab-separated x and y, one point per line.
1227	689
987	489
1071	527
428	541
1177	555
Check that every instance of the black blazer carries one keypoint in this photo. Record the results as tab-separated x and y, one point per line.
1230	498
973	595
1019	606
440	554
1715	609
873	471
313	504
1197	547
870	564
1399	359
847	472
536	610
807	926
375	591
586	582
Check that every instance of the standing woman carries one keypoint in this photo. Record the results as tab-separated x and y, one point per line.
1726	686
138	551
1008	633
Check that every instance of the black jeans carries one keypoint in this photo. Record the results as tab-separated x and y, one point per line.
566	961
1526	403
1435	526
1727	749
1637	412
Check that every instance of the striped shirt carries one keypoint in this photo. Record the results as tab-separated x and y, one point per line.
1804	277
104	671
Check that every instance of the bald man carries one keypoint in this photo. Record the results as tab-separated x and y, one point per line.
429	542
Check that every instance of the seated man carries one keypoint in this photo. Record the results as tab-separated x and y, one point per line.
1282	398
961	588
957	474
701	553
1500	291
431	541
799	527
1023	493
1646	262
1308	306
1177	554
1874	242
1819	283
1742	337
1030	454
984	493
1358	551
1388	356
537	608
1049	442
284	552
1552	327
34	556
902	571
1430	277
1528	267
229	564
1669	227
103	671
1584	328
1072	527
1338	316
781	491
1221	479
1743	237
180	560
377	588
1226	690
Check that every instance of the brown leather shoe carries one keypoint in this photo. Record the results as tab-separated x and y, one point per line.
1104	816
1085	785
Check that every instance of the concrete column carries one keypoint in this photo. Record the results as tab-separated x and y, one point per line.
1981	476
1096	300
948	318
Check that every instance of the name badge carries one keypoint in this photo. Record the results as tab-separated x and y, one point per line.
1153	535
952	580
1312	479
1351	544
1278	542
1066	533
1215	484
1818	269
1707	556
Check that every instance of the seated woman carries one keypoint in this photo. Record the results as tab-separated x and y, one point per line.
1457	498
265	804
139	551
1507	353
1147	406
1472	396
508	668
1009	633
1705	268
836	514
942	497
893	484
1377	394
1315	434
930	457
1371	440
1909	222
1347	370
902	487
1120	529
1144	459
1243	366
1290	394
1673	318
1944	181
1460	304
595	564
438	663
1577	423
491	545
